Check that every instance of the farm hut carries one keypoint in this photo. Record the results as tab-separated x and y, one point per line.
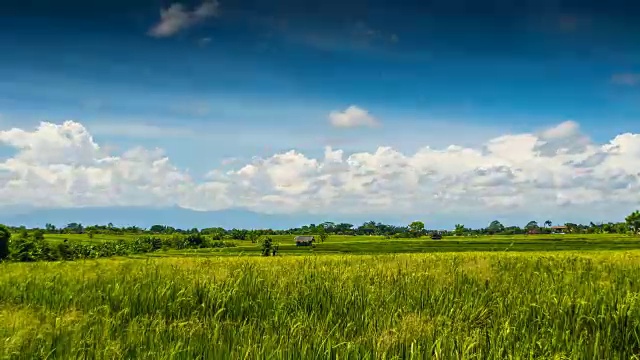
436	236
304	240
558	229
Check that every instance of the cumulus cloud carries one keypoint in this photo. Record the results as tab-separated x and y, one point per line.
61	165
352	116
177	18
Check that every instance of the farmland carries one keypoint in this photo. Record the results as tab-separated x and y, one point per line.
568	296
447	305
338	244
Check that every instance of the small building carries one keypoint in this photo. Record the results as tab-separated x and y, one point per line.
304	240
558	229
436	236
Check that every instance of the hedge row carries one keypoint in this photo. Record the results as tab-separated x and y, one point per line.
33	248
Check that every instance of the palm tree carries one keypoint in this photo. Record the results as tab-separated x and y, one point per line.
548	223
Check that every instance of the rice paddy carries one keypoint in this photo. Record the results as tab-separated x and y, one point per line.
473	305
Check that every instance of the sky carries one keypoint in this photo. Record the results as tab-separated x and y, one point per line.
277	113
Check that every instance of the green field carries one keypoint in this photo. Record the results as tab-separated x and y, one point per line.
351	297
379	245
564	305
84	238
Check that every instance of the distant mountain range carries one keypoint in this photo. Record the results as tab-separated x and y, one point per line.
146	217
176	217
243	219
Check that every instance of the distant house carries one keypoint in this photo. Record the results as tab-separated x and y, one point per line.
533	231
304	240
436	236
558	229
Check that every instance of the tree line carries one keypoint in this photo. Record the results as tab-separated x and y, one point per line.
22	244
416	228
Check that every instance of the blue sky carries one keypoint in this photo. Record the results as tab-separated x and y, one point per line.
259	78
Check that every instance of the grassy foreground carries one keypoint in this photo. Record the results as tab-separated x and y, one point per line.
441	306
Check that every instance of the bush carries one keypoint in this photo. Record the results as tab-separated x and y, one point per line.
5	237
194	241
38	235
268	247
27	248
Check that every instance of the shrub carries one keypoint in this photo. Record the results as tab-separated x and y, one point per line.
38	234
5	237
30	248
24	249
194	241
268	247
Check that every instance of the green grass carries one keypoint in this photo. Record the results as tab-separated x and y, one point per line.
443	306
84	238
379	245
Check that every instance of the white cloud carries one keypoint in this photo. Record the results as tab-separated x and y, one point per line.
352	116
545	173
176	18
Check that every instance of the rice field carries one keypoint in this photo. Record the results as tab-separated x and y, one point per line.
373	245
564	305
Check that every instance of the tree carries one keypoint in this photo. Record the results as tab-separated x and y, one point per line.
5	236
322	233
268	247
416	228
253	236
572	228
459	230
548	223
328	226
531	225
74	228
495	227
633	220
622	228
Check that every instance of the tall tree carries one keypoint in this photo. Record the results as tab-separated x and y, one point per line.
495	227
322	233
548	223
252	236
572	228
633	220
459	230
417	228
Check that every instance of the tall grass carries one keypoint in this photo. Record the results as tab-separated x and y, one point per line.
440	306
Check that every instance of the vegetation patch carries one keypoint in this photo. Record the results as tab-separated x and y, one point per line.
462	306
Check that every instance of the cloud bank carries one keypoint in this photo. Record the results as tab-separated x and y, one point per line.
556	171
176	18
